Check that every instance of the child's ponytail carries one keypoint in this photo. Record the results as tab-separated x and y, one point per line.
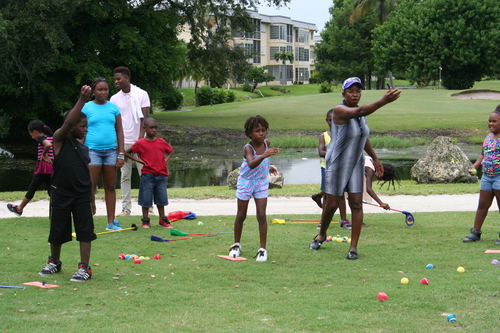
39	126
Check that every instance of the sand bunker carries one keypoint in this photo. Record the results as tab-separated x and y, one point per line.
478	94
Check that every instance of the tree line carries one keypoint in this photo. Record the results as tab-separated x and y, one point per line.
423	41
49	48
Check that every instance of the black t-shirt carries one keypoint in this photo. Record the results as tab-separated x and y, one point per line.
71	175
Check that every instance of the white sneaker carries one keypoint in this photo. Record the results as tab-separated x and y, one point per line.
261	255
124	213
235	250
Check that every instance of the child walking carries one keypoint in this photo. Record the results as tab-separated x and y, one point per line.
253	181
43	170
72	192
154	153
490	180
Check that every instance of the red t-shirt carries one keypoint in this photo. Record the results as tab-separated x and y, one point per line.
153	153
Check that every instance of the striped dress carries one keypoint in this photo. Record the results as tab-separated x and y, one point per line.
344	157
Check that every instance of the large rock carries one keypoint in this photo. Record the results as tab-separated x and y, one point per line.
443	163
274	181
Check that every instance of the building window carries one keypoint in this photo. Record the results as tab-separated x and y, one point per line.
256	51
301	54
302	36
281	32
301	74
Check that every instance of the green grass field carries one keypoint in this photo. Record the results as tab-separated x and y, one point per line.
298	290
416	109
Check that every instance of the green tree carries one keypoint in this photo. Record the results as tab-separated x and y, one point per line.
283	57
381	8
48	48
461	36
346	47
256	75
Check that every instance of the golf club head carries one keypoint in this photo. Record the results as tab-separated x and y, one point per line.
158	239
175	232
410	220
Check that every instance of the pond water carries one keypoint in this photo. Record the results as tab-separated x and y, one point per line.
202	166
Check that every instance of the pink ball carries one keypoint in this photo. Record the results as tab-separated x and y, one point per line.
137	261
121	256
424	281
157	256
382	297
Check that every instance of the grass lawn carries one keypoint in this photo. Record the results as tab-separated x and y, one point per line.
298	290
417	109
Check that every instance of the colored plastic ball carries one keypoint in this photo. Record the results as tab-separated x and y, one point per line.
494	262
460	269
405	281
429	266
157	256
382	297
137	261
424	281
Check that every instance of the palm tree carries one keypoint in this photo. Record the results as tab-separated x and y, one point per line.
382	7
283	56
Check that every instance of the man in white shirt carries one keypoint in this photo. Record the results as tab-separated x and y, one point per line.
134	106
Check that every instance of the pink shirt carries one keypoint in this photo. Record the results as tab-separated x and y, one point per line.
131	128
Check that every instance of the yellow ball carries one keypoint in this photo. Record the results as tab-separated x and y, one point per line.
404	281
73	234
339	240
460	269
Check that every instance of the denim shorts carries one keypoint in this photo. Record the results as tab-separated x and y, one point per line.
322	188
490	182
153	186
103	156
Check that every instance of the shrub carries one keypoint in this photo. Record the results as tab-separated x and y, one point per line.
205	95
172	99
246	87
313	80
231	96
219	96
325	87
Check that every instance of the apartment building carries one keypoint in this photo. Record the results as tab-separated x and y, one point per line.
276	33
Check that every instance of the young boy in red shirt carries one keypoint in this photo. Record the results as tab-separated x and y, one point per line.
154	153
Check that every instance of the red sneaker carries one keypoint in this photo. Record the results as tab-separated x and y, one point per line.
164	222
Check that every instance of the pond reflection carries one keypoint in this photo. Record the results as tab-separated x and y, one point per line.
201	166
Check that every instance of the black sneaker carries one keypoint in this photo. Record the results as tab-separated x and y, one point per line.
317	199
13	208
498	241
146	223
51	267
474	236
315	244
83	274
352	255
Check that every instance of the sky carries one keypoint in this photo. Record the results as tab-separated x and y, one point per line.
311	11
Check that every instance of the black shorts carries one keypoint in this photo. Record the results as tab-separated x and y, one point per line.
61	210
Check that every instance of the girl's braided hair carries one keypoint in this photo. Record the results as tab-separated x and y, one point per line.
390	175
253	122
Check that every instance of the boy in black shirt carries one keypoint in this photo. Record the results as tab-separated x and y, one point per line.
72	193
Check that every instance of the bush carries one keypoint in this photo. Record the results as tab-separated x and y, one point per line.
231	96
313	80
325	87
209	96
219	96
205	96
172	99
246	87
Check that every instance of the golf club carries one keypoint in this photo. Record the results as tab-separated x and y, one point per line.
132	227
175	232
12	287
159	239
410	220
287	221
